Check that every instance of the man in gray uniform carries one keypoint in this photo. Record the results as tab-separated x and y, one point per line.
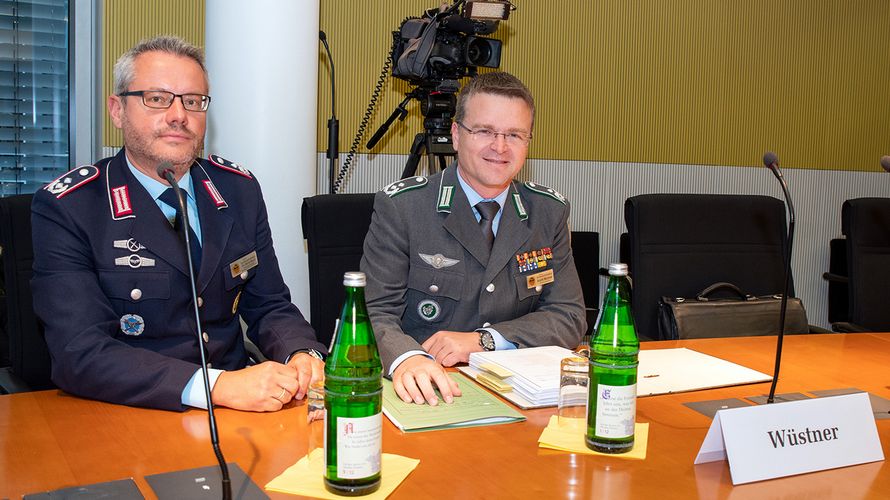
468	259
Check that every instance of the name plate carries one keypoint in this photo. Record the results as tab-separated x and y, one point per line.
778	440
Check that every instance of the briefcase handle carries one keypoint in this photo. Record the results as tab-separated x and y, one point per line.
704	295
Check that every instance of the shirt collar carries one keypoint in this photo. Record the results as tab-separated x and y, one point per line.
155	187
473	197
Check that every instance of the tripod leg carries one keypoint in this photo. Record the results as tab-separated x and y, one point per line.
413	161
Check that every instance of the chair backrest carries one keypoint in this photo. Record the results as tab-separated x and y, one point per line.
866	223
28	355
586	252
334	226
682	243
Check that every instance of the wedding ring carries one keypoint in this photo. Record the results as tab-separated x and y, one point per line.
283	391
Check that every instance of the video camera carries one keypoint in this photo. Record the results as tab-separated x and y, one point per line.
442	46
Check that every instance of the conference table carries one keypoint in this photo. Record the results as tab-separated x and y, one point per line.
51	440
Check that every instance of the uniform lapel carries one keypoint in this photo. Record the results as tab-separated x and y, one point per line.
513	233
149	227
216	225
461	222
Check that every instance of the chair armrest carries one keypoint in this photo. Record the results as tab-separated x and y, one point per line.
835	277
845	327
10	383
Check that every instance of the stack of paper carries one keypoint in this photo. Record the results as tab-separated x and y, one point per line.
532	373
529	378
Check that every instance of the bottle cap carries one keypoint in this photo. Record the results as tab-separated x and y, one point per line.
354	278
617	269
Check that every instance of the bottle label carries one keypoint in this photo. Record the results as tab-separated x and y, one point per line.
616	410
359	443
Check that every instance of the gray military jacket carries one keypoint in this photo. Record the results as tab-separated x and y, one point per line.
429	269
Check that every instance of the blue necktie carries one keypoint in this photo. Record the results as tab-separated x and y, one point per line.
169	197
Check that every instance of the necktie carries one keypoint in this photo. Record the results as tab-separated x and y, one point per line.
487	211
169	197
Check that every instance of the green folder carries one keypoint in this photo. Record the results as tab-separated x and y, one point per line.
475	407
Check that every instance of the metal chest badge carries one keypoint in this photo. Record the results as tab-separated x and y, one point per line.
132	324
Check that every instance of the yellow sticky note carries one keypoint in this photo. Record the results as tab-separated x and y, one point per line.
305	477
569	436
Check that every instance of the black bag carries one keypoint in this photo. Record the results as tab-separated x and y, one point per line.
740	316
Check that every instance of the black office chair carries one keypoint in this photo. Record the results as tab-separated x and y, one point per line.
585	250
679	244
861	264
30	366
334	226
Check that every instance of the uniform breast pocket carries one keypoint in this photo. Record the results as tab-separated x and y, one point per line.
131	292
527	296
430	301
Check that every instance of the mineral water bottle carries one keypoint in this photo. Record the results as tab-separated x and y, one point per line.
353	399
612	400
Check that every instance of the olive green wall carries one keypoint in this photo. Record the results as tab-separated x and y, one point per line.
710	82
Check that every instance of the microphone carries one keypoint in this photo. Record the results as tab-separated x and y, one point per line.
885	163
333	123
772	162
165	171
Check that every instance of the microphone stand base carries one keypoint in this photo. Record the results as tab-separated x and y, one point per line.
203	483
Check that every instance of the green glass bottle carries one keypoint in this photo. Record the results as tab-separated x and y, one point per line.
353	399
614	350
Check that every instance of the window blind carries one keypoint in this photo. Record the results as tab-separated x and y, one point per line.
33	93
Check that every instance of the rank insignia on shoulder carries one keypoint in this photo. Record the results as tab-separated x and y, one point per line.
225	164
69	181
399	187
546	191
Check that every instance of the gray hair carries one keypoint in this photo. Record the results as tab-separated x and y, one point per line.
124	70
498	83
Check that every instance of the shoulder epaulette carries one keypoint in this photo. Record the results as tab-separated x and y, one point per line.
71	180
546	191
225	164
399	187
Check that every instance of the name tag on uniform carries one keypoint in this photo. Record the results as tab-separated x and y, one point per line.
539	279
244	264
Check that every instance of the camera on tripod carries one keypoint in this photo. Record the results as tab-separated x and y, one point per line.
433	52
443	46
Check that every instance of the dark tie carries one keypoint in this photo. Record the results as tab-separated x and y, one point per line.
169	197
487	211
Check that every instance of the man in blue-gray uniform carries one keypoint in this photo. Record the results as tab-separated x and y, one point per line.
111	280
468	259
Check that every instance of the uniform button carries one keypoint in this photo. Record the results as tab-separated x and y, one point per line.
135	294
486	324
489	288
205	337
200	302
209	365
434	288
244	275
539	288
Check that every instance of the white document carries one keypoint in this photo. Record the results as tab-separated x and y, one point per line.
666	371
784	439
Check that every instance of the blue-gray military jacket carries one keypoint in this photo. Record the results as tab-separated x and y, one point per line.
429	268
111	283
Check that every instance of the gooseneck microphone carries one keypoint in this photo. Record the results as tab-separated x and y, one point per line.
165	171
772	162
333	123
885	163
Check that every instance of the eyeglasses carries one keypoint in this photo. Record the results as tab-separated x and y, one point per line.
161	99
488	135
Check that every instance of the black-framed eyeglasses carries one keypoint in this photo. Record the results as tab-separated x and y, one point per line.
161	99
488	135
